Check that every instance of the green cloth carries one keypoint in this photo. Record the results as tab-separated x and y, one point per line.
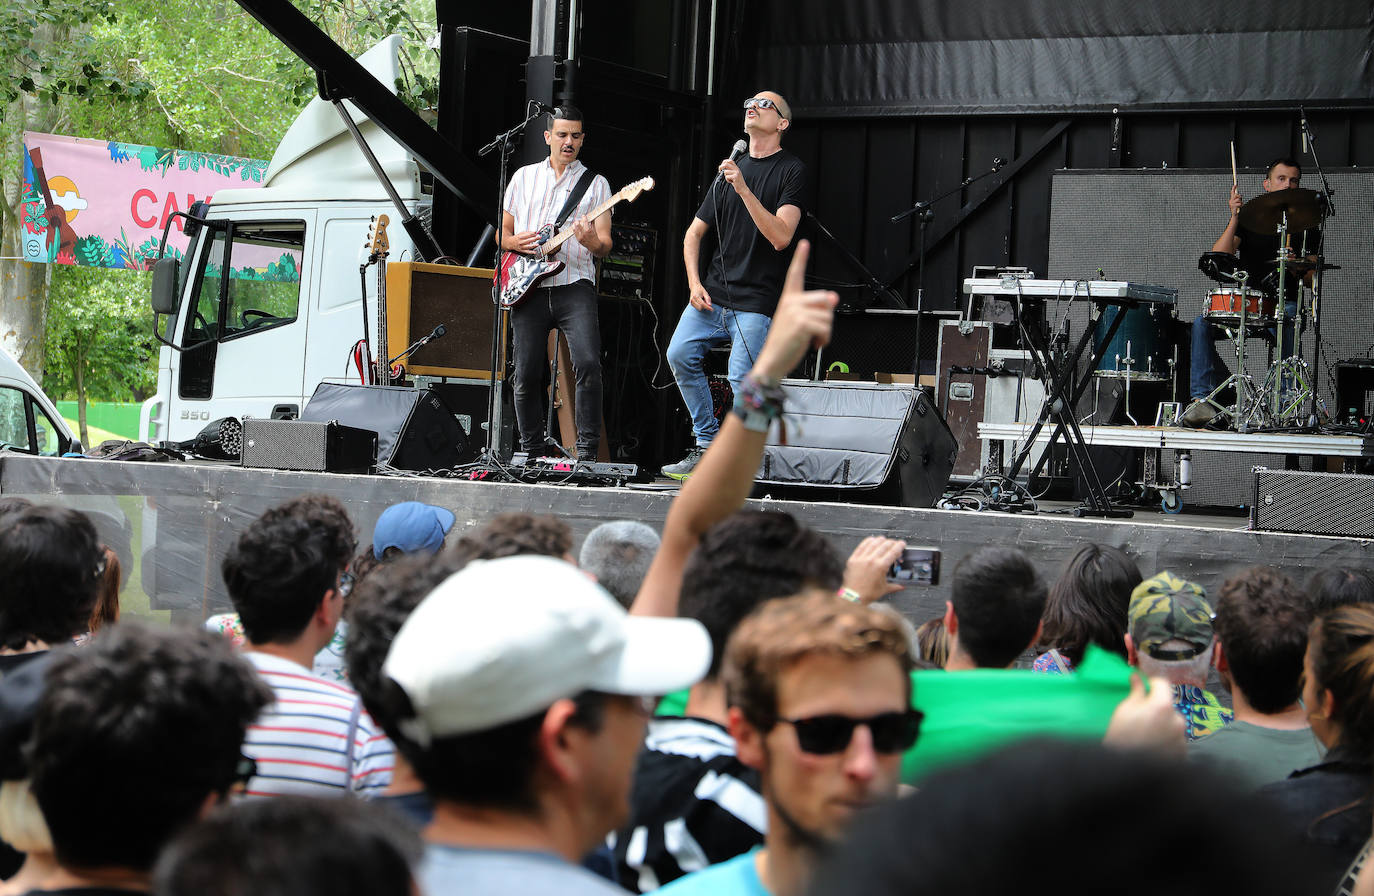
968	714
1256	756
674	704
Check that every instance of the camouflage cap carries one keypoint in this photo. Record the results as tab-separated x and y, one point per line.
1166	608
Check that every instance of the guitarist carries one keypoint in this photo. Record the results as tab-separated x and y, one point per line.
754	207
538	195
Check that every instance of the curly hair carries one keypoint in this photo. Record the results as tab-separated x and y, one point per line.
511	534
377	609
1261	621
50	567
745	559
782	632
141	721
281	566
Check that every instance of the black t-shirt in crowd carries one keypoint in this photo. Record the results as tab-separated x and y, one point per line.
745	272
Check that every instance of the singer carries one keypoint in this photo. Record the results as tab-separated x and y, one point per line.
754	206
540	195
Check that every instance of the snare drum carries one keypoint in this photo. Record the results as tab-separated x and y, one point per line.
1224	306
1140	349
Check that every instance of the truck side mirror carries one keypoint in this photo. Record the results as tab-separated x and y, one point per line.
166	275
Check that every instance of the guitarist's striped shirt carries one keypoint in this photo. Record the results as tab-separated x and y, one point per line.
535	197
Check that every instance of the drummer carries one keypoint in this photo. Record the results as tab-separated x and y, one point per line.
1257	253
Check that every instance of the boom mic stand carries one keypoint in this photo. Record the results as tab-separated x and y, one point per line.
925	215
505	142
1316	410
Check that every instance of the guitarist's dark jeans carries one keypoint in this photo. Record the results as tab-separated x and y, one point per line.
572	309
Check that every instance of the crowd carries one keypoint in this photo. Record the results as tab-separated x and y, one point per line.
730	708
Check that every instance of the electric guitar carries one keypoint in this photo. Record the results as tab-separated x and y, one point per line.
377	249
520	273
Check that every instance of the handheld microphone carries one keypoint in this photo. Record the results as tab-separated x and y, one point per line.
540	107
735	155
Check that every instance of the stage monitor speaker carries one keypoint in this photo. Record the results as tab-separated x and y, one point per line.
1313	503
866	441
420	297
415	428
318	447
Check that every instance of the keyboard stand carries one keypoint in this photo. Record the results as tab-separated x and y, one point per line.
1061	400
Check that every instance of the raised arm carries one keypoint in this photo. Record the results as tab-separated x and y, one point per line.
725	474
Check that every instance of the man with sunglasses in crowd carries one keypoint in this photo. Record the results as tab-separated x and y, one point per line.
754	207
820	703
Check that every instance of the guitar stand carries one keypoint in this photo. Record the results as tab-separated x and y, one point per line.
1061	398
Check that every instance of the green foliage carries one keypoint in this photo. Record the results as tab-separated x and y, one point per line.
100	335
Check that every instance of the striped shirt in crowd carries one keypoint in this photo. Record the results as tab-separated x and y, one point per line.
315	738
535	197
693	804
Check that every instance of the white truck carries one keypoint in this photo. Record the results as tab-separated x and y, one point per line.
257	342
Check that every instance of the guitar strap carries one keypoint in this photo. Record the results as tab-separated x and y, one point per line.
578	191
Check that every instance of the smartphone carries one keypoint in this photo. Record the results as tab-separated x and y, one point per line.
917	566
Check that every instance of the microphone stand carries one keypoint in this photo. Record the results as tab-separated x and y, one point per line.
419	344
505	142
925	215
1328	211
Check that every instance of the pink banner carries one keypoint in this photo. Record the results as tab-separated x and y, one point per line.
105	204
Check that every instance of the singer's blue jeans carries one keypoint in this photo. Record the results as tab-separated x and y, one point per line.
697	333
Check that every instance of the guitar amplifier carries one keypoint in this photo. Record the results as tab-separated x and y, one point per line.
420	297
307	445
1313	503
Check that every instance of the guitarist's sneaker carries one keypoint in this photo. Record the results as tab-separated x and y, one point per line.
683	468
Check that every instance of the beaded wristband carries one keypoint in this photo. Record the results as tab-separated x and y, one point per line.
759	404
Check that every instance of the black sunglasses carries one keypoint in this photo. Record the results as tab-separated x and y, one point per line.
892	732
761	102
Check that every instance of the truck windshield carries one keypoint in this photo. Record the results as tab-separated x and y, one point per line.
263	263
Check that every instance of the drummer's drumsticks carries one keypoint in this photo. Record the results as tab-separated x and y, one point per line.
1233	163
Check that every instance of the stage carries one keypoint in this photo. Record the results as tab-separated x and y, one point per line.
172	522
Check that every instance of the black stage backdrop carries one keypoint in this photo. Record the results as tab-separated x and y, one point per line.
868	58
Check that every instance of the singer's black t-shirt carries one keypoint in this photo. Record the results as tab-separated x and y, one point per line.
745	272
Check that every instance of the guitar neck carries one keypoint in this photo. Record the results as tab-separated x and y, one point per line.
383	349
592	215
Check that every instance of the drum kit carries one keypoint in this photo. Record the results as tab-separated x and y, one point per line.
1141	351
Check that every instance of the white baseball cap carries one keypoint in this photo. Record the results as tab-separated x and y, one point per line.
501	640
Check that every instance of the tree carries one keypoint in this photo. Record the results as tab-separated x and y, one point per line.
188	74
100	342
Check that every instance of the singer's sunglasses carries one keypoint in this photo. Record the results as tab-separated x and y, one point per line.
892	732
761	102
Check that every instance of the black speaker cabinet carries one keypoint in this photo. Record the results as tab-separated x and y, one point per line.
1313	503
415	428
865	441
308	445
420	297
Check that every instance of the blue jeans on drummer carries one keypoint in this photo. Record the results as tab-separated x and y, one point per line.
1207	369
697	333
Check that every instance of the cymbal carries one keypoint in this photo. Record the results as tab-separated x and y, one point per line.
1263	213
